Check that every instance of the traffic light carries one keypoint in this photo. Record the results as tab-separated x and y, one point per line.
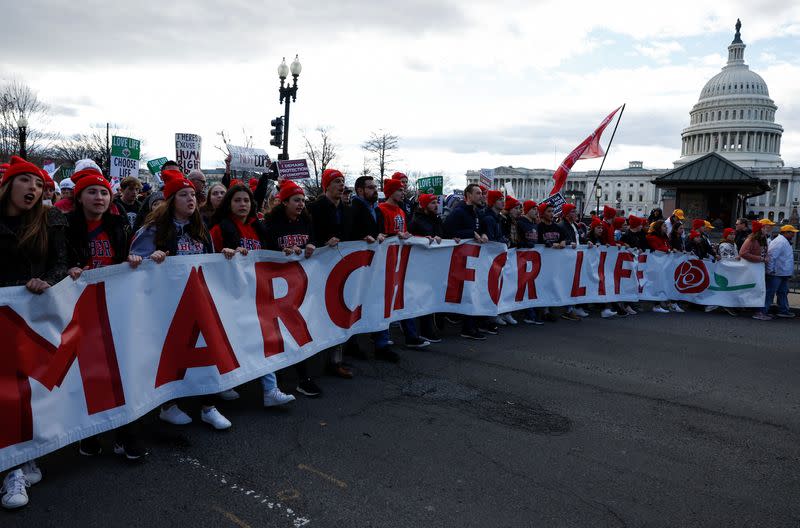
276	132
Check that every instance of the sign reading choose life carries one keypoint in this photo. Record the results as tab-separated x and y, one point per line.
187	151
124	158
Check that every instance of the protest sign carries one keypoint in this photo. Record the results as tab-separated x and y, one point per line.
430	185
557	201
293	169
124	158
486	178
249	159
94	370
187	151
154	166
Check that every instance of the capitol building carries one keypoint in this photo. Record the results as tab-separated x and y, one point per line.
730	160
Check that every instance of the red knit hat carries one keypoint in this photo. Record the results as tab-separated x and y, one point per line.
543	207
511	203
88	181
528	205
635	221
484	189
328	175
727	232
756	226
391	186
618	222
697	223
399	176
174	181
492	197
609	212
253	184
19	166
236	181
693	234
567	209
288	189
426	199
596	222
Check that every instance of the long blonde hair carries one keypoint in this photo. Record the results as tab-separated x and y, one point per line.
33	229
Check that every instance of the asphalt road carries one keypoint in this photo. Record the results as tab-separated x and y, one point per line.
654	420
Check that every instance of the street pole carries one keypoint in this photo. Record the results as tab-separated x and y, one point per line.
108	152
285	154
22	125
288	94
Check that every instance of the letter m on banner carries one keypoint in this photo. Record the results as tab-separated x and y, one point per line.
86	338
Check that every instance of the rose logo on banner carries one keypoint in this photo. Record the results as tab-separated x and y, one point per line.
691	277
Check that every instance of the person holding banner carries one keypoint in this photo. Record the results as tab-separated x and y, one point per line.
427	223
677	239
33	253
96	238
658	241
176	228
755	249
463	223
289	230
238	230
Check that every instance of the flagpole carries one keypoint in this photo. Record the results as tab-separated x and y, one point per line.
608	147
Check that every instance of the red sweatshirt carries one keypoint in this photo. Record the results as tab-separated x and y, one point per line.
658	243
394	219
248	237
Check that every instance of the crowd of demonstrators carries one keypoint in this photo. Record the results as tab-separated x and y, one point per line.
45	237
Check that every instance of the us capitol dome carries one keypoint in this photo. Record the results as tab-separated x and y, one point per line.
734	116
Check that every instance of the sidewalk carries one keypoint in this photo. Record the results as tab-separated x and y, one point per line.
794	300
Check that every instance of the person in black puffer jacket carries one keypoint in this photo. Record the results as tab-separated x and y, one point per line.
427	223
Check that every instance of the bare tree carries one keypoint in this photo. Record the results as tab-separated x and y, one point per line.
320	153
366	170
92	145
381	145
17	100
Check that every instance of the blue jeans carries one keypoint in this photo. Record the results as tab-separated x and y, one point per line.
409	330
269	381
779	285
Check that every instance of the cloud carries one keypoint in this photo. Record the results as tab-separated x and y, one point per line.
659	51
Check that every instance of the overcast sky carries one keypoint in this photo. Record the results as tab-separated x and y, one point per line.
464	84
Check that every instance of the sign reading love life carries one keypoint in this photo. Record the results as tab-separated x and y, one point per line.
124	158
90	355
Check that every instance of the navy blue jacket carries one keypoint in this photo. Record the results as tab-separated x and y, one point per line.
463	222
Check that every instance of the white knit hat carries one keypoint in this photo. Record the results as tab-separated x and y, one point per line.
66	183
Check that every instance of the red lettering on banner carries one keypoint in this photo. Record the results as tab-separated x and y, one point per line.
642	260
459	272
196	314
86	338
495	279
577	289
393	298
340	314
620	271
526	280
287	308
601	272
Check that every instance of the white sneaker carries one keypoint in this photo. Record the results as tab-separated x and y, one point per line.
509	319
499	321
32	472
16	496
658	309
710	308
630	311
174	415
580	312
214	418
275	397
675	308
229	395
607	312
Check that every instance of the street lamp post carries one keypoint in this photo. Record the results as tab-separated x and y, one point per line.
22	125
598	192
286	93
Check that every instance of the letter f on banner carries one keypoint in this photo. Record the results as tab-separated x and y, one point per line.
196	314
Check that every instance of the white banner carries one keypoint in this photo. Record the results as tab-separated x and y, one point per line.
187	151
90	355
249	159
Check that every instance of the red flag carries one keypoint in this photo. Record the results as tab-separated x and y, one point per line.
589	148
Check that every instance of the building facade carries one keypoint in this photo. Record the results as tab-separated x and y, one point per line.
734	117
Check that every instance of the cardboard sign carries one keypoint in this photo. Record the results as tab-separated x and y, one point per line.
187	151
249	159
430	185
293	169
124	158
